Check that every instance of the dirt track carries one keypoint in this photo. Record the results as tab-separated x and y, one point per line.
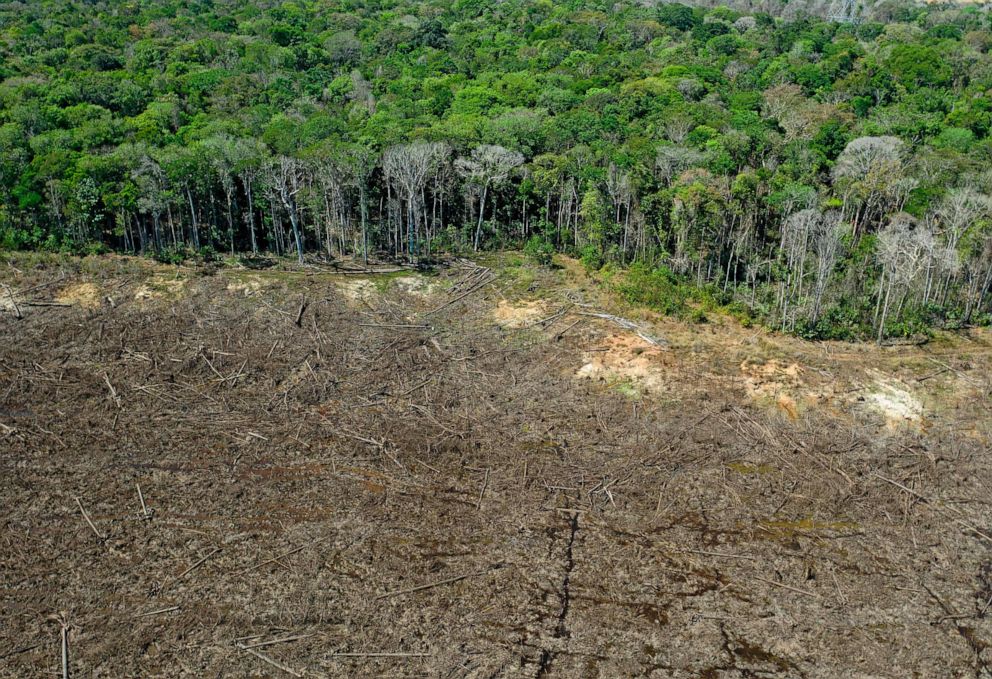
473	475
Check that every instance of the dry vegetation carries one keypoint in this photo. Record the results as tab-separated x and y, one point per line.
473	475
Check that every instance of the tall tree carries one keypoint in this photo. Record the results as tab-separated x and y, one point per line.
286	175
488	166
408	167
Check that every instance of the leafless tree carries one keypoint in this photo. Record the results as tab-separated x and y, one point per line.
955	214
690	88
904	247
152	185
487	166
56	199
826	246
407	167
734	69
745	24
286	176
798	230
674	160
361	92
979	275
959	210
871	174
246	156
678	128
865	154
326	196
360	162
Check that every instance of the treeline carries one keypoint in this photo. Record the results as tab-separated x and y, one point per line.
832	179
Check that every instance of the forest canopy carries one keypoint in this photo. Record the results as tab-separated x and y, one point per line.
829	178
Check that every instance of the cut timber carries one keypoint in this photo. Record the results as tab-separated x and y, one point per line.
628	325
429	585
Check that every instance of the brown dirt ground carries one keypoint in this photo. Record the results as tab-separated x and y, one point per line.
425	478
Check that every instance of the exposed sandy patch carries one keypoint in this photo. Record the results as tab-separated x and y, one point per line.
416	285
772	370
86	295
626	357
893	400
357	289
786	387
776	382
8	300
367	289
520	314
788	405
160	287
246	287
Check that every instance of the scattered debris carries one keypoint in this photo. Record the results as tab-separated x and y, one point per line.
629	325
296	473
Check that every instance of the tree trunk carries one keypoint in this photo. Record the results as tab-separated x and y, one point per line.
411	216
297	237
230	221
482	212
363	208
885	311
192	212
251	216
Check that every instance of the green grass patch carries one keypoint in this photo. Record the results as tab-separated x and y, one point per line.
626	388
659	289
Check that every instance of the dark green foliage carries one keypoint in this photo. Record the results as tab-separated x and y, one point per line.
918	66
658	289
591	257
171	255
677	16
675	139
540	250
842	321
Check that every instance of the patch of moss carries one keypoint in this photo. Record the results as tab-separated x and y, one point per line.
626	388
745	468
786	529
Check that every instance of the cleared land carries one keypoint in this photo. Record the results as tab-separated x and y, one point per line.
474	474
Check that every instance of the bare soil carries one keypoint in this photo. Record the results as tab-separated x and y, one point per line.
470	474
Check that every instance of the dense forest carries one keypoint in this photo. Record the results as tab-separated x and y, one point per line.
828	178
